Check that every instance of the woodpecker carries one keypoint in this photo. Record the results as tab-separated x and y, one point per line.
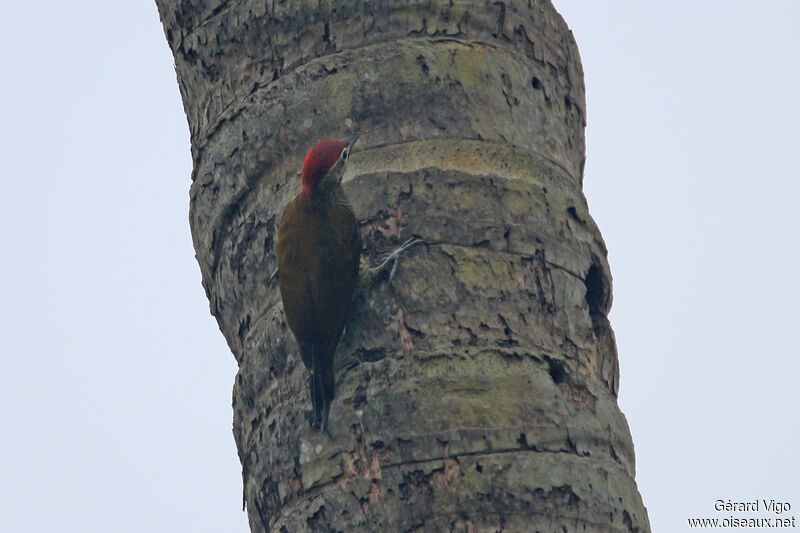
319	251
320	265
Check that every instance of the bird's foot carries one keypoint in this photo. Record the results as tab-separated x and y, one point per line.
389	266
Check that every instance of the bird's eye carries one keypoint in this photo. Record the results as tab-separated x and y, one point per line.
344	153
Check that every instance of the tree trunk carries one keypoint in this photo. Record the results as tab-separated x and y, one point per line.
478	391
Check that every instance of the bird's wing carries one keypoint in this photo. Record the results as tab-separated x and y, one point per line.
339	265
318	257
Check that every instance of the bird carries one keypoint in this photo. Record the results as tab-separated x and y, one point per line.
320	266
319	256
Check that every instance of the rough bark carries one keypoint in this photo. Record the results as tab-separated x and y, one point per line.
476	393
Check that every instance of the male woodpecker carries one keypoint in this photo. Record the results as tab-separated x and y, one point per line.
319	250
319	264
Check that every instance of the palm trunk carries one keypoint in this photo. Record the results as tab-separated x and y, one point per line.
478	391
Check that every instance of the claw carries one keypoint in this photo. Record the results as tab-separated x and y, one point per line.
394	257
273	276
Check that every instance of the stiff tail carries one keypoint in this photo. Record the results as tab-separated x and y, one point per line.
322	385
319	361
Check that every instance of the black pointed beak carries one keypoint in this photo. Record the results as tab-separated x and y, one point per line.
352	141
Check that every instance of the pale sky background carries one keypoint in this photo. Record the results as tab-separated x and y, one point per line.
115	383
